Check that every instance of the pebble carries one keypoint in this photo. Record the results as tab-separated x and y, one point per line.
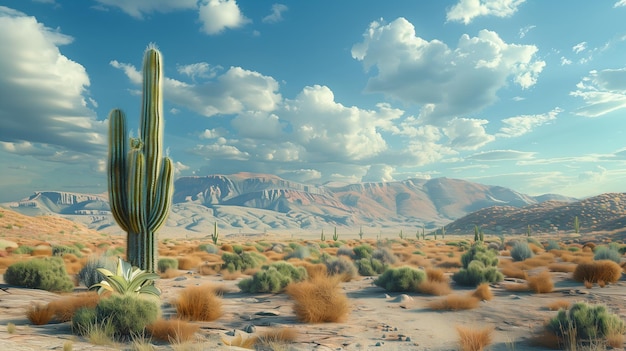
181	278
250	328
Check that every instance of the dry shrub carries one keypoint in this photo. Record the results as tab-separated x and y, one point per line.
39	314
588	284
535	249
434	288
418	261
483	292
558	304
540	260
319	300
172	330
42	250
541	283
73	267
615	340
450	262
605	270
474	339
590	245
516	287
227	248
199	303
170	273
331	250
454	302
188	262
207	269
65	307
5	262
226	275
436	275
512	271
213	258
505	253
561	267
274	256
275	336
316	270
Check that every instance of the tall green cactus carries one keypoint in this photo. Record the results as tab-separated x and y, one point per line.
140	179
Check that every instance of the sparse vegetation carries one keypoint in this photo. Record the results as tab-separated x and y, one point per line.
273	278
319	300
606	271
199	303
40	273
172	330
406	279
474	339
607	253
166	263
521	251
240	262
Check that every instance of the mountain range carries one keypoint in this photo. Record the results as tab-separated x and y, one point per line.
253	203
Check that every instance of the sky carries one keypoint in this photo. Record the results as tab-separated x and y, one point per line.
529	95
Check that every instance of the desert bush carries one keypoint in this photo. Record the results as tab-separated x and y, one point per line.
370	266
345	251
362	251
474	339
384	255
319	300
172	330
401	279
166	263
479	252
562	267
477	273
241	262
273	278
553	245
436	275
40	273
343	267
454	302
300	252
188	262
89	275
60	250
436	288
521	251
209	248
199	303
586	323
593	272
541	283
23	250
558	304
607	253
483	292
128	314
39	314
83	319
65	307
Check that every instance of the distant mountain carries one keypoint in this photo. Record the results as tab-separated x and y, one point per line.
257	202
606	212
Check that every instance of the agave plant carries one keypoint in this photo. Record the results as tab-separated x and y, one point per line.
127	280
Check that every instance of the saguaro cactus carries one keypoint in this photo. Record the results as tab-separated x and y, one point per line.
140	179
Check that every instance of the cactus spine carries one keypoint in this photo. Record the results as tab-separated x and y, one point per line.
140	179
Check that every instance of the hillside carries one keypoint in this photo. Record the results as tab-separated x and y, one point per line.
260	202
606	212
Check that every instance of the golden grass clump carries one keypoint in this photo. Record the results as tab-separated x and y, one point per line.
199	303
454	302
436	288
483	292
206	269
271	339
39	314
319	300
541	283
436	275
170	273
563	267
188	262
314	270
474	339
172	330
65	307
559	304
604	270
512	271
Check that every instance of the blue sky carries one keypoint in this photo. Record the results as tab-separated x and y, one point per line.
529	95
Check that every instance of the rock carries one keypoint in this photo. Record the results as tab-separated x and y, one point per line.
403	298
250	328
181	278
267	313
408	338
379	344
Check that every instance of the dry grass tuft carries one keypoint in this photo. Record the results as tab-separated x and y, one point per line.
605	270
516	287
39	314
483	292
559	304
436	275
541	283
515	272
561	267
615	340
207	269
189	262
199	303
434	288
319	300
65	307
474	339
316	270
173	330
277	336
454	302
170	273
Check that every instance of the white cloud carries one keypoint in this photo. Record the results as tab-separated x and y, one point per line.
524	31
467	133
565	61
501	155
620	3
235	91
447	82
139	8
44	98
580	47
219	150
603	92
199	70
466	10
218	15
276	15
597	175
378	173
520	125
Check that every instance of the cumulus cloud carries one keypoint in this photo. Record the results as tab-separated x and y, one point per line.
501	155
524	31
580	47
218	15
43	95
447	82
565	61
378	173
276	15
235	91
596	175
520	125
139	8
620	3
466	10
199	70
603	92
467	133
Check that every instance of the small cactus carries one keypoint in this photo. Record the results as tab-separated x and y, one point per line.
335	235
322	236
215	236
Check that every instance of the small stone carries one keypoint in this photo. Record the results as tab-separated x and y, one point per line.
379	344
230	333
384	336
181	278
250	328
408	338
267	313
395	329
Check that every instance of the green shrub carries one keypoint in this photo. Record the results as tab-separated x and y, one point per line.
40	273
552	245
607	253
23	250
209	248
479	252
300	252
370	266
89	275
238	249
240	262
273	278
126	315
60	250
166	263
479	266
589	322
362	251
341	266
521	251
405	279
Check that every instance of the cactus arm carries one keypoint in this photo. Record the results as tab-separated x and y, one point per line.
137	192
118	149
164	189
150	122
